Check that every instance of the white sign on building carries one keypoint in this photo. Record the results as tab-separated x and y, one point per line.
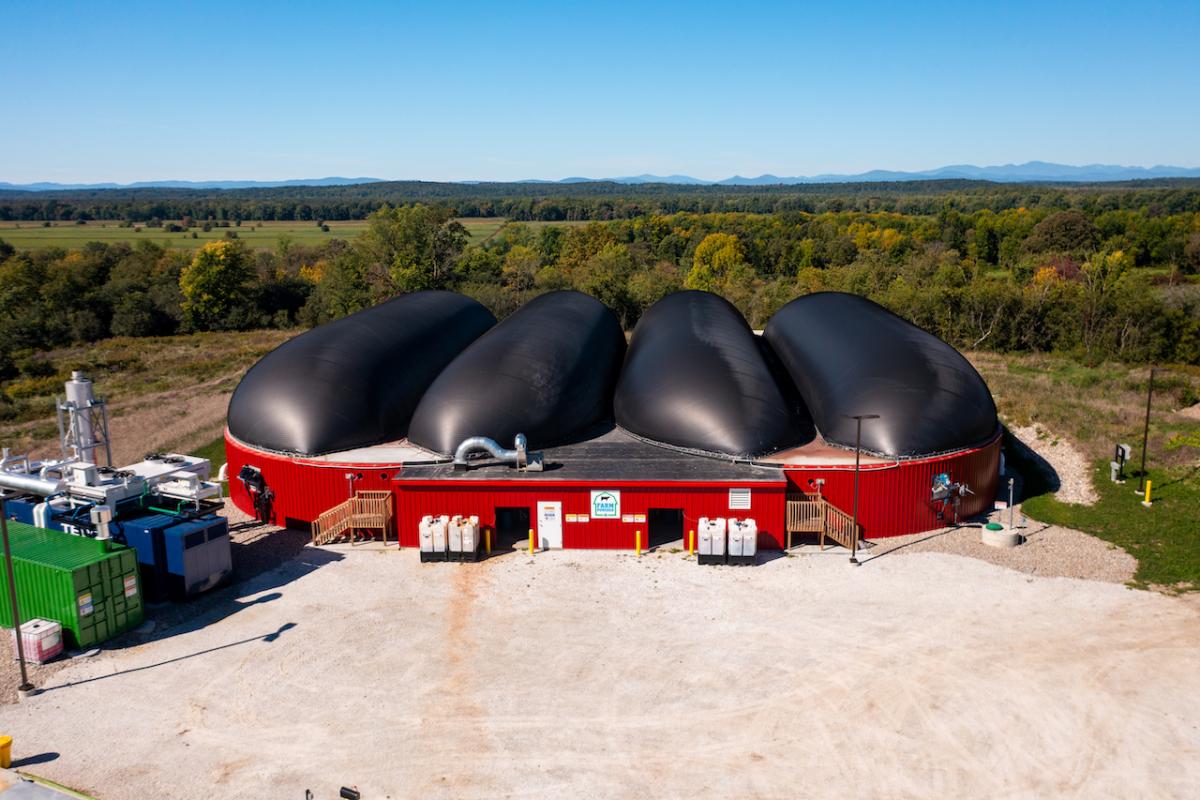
606	505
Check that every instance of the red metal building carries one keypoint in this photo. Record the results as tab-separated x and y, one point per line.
656	490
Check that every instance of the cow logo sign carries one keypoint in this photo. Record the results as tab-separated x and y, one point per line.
606	505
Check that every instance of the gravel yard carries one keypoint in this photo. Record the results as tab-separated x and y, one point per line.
1070	466
918	674
1048	551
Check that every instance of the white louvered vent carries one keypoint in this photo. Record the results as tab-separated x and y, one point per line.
739	499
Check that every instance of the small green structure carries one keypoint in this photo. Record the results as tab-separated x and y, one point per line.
91	587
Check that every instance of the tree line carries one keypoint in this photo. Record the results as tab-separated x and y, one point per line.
601	201
1098	283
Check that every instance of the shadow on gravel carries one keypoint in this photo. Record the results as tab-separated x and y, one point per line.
1034	475
265	559
268	638
29	761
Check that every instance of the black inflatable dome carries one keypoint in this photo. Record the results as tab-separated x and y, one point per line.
355	381
547	371
849	355
434	366
696	378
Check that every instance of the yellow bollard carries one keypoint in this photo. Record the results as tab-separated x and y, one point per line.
1146	501
531	541
637	542
487	537
691	543
5	752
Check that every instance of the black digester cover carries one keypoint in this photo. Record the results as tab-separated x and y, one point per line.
547	371
355	381
695	377
849	355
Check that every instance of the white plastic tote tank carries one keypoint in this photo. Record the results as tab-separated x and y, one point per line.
749	530
735	537
454	533
718	536
705	536
440	524
470	534
425	528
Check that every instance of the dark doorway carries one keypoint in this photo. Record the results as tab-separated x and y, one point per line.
512	528
665	525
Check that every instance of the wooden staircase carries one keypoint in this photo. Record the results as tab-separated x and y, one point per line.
818	515
367	510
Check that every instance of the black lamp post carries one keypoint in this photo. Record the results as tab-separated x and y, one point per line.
25	686
858	418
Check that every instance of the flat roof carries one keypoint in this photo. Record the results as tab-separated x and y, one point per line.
613	456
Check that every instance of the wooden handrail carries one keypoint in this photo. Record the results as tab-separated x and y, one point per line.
818	515
366	510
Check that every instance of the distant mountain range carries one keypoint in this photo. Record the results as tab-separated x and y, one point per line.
1029	172
53	187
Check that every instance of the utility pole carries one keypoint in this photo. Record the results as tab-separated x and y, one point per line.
858	418
25	687
1146	432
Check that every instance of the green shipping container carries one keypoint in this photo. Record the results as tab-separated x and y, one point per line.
93	590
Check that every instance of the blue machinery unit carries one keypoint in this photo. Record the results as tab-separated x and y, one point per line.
180	555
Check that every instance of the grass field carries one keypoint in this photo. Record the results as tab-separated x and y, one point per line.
258	235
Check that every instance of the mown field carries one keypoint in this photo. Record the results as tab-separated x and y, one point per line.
257	235
171	393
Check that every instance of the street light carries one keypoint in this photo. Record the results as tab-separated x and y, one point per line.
26	687
858	418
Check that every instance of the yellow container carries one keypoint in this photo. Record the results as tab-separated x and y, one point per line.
5	752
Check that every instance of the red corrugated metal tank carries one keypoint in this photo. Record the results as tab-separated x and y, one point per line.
303	488
894	498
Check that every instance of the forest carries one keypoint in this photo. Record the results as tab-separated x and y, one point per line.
594	200
1101	275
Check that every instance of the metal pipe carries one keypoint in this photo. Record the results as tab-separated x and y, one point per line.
857	452
518	455
30	484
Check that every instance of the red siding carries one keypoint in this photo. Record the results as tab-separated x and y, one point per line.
417	498
303	488
893	498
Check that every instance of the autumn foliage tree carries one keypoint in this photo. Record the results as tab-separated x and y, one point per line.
215	284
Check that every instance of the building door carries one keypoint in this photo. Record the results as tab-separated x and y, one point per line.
512	527
550	522
664	525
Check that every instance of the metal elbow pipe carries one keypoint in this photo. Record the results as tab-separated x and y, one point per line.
518	456
475	444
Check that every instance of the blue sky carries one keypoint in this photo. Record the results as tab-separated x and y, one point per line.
449	91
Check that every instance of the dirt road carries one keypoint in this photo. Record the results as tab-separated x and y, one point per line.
601	675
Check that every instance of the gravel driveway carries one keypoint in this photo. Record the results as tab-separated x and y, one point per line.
599	674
